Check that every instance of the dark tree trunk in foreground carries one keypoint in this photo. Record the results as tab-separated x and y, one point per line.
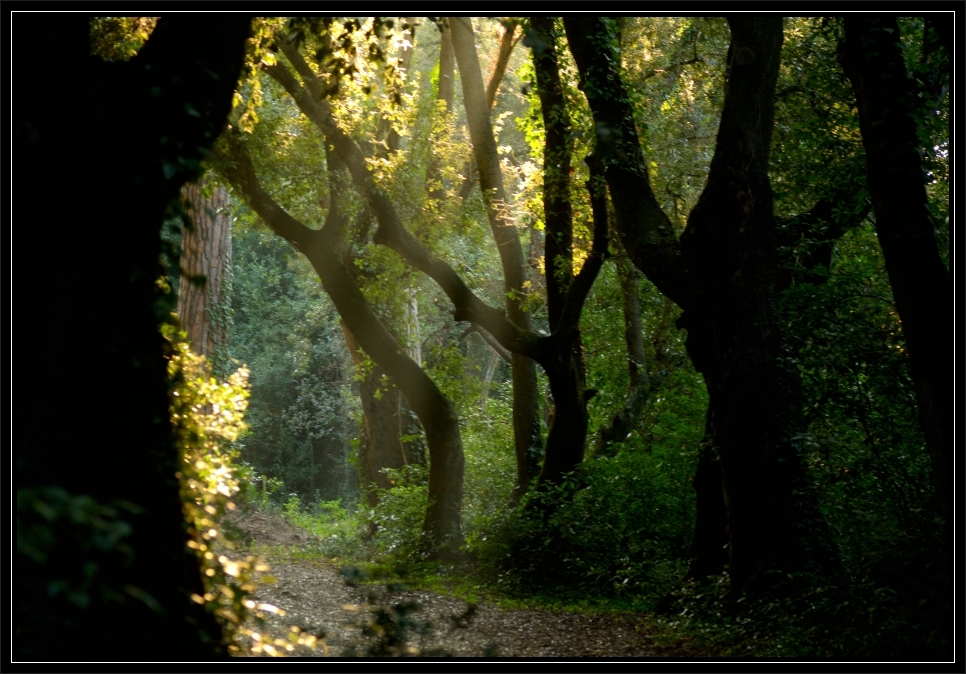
437	415
723	273
138	131
205	261
920	282
526	428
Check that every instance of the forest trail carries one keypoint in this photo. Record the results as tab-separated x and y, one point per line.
315	597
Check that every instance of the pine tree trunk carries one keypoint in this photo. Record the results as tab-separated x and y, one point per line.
205	270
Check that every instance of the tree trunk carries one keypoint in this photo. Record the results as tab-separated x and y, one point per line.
447	63
508	41
526	428
117	176
709	549
723	273
205	263
447	67
920	282
380	445
488	378
645	230
734	332
441	527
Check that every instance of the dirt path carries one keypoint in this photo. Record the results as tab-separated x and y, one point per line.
315	596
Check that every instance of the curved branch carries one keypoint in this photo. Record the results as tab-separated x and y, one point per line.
242	174
489	339
392	233
821	228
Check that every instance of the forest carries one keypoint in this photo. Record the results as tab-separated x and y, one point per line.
640	319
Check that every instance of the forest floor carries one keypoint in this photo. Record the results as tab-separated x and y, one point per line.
315	596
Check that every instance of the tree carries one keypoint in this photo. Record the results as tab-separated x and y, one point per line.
526	428
722	272
873	61
435	412
205	267
140	130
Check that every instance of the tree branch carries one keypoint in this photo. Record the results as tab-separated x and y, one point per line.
645	230
582	283
489	339
821	229
392	233
243	175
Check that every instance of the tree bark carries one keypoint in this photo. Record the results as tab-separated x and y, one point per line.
205	263
526	428
873	61
117	176
447	67
645	230
564	363
447	62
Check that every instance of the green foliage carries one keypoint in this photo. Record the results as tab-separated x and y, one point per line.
866	450
286	331
208	417
54	526
118	38
620	529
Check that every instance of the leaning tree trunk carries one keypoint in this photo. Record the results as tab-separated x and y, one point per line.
920	282
508	41
205	266
526	428
447	63
441	527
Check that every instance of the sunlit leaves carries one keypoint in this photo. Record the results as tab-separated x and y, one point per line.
118	38
208	416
